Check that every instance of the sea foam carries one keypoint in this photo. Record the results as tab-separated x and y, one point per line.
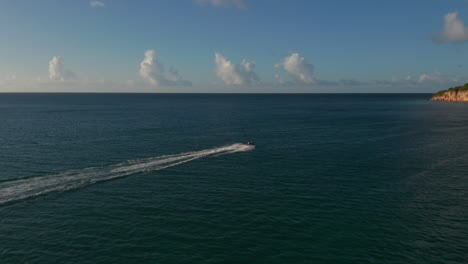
15	190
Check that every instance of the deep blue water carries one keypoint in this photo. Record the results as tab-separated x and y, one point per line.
333	178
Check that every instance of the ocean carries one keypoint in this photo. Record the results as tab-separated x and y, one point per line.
169	178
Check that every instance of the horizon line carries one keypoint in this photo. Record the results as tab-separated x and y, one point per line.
231	93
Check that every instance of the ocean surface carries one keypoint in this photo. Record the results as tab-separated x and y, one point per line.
168	178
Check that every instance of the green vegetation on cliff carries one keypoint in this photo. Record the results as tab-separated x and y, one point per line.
453	89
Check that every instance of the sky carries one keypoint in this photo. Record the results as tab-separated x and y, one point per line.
230	46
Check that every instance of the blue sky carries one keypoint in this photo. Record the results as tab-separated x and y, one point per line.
288	46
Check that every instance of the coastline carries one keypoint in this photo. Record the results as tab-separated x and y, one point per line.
455	94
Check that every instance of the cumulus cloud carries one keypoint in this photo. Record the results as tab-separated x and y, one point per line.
454	30
237	74
298	68
57	70
153	71
97	4
223	3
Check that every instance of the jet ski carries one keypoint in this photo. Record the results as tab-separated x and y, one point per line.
250	143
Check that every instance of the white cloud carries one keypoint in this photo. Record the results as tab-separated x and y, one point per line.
454	30
438	78
279	79
427	77
237	74
97	4
298	68
153	71
223	3
57	70
11	77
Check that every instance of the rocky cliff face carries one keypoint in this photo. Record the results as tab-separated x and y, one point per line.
451	96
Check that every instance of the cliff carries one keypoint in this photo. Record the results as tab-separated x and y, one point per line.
455	94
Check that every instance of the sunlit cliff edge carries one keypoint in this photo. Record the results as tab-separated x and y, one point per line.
454	94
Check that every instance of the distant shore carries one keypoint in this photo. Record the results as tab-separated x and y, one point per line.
454	94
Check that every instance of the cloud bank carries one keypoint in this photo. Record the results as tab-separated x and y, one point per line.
454	30
97	4
235	74
58	72
435	79
153	71
298	68
240	4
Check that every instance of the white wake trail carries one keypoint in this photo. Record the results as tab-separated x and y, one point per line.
24	188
